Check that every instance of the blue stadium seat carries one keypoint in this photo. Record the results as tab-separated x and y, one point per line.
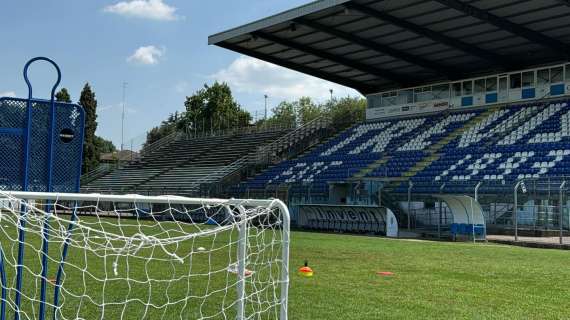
497	146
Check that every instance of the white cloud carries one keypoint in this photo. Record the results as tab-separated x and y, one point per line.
250	75
147	9
147	55
8	94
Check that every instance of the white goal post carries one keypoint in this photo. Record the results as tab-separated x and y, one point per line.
94	256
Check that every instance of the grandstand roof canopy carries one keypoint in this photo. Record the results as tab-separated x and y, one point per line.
379	45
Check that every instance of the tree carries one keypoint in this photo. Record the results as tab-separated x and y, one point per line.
104	146
307	110
209	109
63	96
297	113
346	110
90	152
166	128
212	108
283	114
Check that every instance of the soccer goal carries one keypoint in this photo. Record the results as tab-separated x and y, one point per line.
91	256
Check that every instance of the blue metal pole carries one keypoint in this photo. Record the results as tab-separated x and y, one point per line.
45	244
25	185
69	229
22	223
20	262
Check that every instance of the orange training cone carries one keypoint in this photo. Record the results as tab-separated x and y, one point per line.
306	271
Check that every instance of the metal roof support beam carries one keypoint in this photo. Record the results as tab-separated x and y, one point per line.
398	54
507	25
386	74
303	69
436	36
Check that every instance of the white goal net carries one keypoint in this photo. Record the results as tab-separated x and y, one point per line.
91	256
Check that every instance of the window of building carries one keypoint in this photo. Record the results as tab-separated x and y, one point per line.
390	98
423	94
440	91
374	101
456	89
543	77
528	79
406	96
467	88
491	84
503	84
515	81
556	74
479	86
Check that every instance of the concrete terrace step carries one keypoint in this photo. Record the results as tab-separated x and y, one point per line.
183	164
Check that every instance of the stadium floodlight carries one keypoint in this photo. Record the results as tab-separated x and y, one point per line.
139	257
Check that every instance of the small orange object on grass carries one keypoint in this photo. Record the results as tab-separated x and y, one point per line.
385	273
306	271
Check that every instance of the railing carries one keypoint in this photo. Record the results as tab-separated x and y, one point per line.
264	153
239	130
101	170
255	158
160	143
226	171
177	135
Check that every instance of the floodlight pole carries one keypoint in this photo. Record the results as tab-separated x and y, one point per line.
561	211
265	96
515	218
123	117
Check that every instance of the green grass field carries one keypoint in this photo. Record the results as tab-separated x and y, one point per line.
433	280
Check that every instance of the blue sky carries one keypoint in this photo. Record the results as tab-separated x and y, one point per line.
158	46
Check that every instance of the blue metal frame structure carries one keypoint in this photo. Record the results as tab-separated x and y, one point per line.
40	169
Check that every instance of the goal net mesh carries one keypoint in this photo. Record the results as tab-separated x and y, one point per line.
133	257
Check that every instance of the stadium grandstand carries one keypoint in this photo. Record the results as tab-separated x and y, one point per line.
190	162
466	100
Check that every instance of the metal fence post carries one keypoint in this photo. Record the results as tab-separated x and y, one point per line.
477	190
410	186
561	211
515	218
484	220
472	221
380	196
440	212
